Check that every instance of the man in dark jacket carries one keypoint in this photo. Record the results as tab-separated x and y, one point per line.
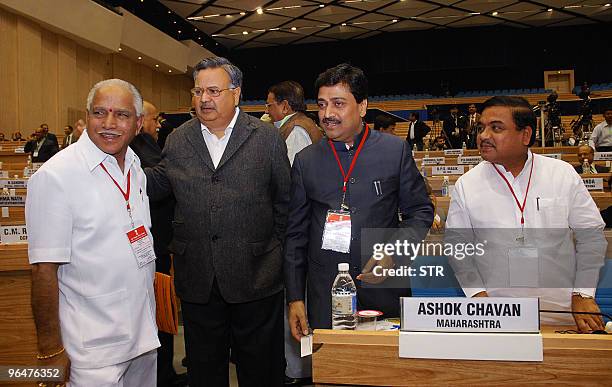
162	211
417	129
41	147
380	180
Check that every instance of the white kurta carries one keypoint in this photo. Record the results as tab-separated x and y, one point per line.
558	207
76	216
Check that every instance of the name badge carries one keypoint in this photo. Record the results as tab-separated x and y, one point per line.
35	154
141	244
523	267
337	231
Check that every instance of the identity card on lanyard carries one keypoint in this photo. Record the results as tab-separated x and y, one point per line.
337	231
136	232
523	262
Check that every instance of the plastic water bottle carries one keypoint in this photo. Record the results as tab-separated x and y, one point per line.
344	299
445	186
586	168
423	170
464	146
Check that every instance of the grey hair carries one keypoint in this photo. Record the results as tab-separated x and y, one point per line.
121	83
217	61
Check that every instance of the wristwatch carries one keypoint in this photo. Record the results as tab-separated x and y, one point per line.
582	295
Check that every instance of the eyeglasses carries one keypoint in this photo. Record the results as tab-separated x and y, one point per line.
211	91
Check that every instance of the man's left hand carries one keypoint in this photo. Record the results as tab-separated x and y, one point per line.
586	322
367	274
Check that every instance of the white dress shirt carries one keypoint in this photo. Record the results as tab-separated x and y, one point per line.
557	202
77	217
601	136
297	140
412	130
216	146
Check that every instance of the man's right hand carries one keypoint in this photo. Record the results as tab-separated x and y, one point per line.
297	319
62	362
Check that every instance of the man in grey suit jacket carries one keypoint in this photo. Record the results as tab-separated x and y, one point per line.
230	175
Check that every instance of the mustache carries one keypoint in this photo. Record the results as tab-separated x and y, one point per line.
207	106
328	121
111	132
487	142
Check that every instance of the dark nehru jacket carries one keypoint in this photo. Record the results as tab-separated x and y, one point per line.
317	188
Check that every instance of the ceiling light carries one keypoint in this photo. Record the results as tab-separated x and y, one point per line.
139	58
169	70
550	9
169	12
156	65
120	49
321	5
343	24
293	28
245	32
179	31
174	22
259	11
474	13
274	29
495	13
199	38
228	15
394	21
242	13
607	5
195	29
215	15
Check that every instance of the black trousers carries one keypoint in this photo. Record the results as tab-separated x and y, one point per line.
253	330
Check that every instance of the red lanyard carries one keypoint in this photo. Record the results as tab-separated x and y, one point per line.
126	195
346	176
522	208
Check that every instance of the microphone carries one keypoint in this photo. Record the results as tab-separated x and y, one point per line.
608	328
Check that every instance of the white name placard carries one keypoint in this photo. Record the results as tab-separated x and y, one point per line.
4	175
434	160
12	201
455	314
453	152
15	183
448	170
19	150
468	160
13	234
553	155
594	183
603	156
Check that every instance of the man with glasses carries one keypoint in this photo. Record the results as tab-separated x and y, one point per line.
230	175
286	106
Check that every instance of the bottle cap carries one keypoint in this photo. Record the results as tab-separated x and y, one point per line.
343	267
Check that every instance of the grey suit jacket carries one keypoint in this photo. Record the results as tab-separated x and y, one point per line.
229	221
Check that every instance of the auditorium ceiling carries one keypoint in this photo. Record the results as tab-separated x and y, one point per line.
239	24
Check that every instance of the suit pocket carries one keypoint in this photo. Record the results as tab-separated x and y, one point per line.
105	320
177	247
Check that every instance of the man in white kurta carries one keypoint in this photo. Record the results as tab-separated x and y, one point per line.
527	207
92	294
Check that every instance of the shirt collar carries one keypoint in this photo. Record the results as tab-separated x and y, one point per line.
339	145
525	167
229	128
94	156
282	122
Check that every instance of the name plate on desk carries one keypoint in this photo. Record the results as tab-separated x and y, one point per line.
486	314
472	160
603	156
19	150
553	155
13	234
433	160
12	201
15	183
448	170
4	175
504	329
594	183
453	152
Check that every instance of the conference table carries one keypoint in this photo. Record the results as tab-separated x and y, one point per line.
369	358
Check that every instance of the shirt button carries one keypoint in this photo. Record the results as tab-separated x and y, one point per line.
352	180
353	210
350	153
215	179
213	208
214	238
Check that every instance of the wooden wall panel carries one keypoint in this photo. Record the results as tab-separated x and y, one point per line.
49	85
46	77
67	82
8	73
83	83
29	75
